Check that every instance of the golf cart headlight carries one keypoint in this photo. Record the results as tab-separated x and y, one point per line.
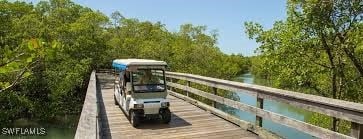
164	104
138	106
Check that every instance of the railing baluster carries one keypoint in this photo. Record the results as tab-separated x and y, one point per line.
171	88
188	85
356	130
215	93
259	105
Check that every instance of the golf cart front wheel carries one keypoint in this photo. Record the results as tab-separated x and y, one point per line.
166	116
134	119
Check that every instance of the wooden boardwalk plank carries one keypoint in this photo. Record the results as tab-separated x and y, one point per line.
188	121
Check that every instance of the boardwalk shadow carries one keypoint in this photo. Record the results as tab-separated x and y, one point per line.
104	126
154	124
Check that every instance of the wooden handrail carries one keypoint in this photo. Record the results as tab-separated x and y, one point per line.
263	133
88	126
332	107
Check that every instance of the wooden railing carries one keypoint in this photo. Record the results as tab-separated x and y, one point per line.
88	126
345	110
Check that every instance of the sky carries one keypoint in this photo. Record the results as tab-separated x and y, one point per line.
225	16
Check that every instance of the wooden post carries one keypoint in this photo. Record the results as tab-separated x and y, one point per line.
171	88
214	93
187	92
166	82
259	105
356	130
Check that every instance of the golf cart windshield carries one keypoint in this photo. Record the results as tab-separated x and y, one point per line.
145	81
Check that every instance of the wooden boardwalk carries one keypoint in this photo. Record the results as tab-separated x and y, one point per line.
188	121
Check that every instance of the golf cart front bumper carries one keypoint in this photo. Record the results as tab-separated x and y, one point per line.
141	113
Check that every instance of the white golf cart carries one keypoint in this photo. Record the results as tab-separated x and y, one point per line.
140	89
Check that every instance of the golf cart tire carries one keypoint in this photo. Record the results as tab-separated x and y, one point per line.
134	118
166	116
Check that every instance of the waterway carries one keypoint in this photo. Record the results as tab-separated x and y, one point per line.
277	107
60	128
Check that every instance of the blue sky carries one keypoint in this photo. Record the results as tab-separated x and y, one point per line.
226	16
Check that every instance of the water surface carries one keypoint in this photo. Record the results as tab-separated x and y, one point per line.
63	128
277	107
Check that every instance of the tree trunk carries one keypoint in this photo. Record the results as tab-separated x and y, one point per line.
334	93
329	52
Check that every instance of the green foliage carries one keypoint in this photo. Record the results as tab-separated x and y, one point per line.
316	119
189	50
49	49
13	106
315	50
47	53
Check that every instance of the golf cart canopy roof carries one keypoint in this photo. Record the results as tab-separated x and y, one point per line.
123	64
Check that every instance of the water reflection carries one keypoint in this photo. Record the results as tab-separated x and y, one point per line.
281	108
63	127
